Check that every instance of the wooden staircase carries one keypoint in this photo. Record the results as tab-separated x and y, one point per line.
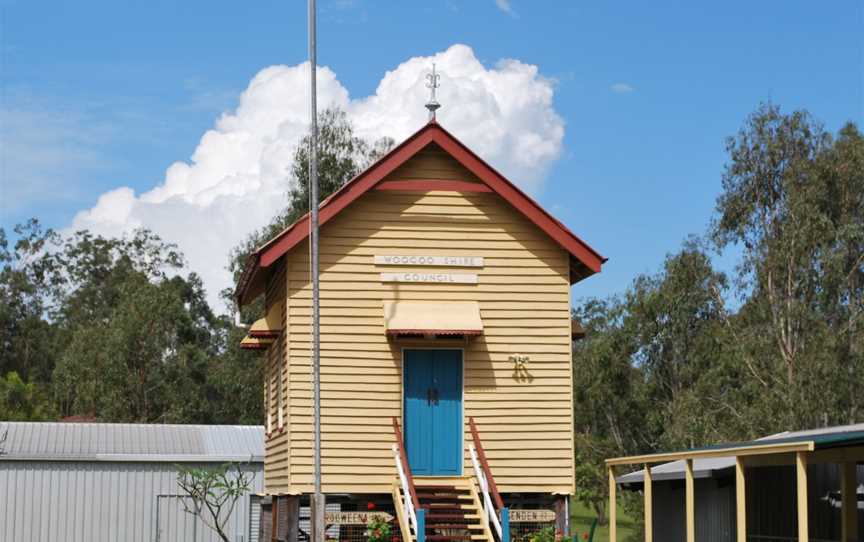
448	508
453	510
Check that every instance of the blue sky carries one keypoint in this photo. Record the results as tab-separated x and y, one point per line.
97	95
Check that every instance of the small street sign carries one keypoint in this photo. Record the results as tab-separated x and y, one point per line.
531	516
353	518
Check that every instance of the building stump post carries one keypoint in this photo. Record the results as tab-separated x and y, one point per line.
613	506
801	489
562	516
849	496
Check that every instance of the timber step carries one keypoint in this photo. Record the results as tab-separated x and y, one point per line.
451	514
470	526
457	516
452	508
444	497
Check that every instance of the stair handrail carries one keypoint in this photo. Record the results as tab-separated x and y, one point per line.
481	454
489	508
411	503
492	502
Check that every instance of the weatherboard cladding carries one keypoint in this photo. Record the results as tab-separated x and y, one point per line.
277	441
524	299
131	442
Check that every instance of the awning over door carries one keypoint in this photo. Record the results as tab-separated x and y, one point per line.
251	343
270	326
432	319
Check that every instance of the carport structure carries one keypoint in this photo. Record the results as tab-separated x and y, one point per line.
843	448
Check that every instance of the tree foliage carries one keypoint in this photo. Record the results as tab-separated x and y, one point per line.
25	282
213	493
22	401
609	401
793	199
688	357
110	328
118	330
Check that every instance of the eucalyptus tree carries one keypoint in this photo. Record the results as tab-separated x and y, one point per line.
26	271
792	201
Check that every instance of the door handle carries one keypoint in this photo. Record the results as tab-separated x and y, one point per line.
428	396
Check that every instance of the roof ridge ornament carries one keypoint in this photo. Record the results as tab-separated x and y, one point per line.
433	82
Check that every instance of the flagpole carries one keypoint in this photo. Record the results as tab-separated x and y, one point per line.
318	499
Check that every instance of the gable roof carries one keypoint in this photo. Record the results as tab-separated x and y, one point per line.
585	261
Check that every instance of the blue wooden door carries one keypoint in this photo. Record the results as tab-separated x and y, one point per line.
433	411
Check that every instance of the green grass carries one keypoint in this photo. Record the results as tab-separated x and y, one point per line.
580	522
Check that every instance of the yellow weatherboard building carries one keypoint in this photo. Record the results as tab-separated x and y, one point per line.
445	346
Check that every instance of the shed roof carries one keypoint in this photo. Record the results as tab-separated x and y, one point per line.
50	441
825	437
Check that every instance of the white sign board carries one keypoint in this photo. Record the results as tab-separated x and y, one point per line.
354	518
440	261
439	278
531	516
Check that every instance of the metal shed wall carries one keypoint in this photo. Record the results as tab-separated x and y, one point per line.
103	501
770	506
95	482
715	511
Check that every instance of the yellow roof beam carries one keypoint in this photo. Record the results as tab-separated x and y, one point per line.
731	451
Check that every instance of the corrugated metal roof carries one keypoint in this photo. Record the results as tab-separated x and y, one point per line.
702	468
705	468
835	430
50	441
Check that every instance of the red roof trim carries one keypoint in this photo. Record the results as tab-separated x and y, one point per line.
254	346
473	332
265	334
417	185
430	133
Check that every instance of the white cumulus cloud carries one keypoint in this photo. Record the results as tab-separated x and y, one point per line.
621	88
237	177
504	5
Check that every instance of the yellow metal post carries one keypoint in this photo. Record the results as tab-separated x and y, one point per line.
801	470
648	492
690	502
740	501
613	509
849	492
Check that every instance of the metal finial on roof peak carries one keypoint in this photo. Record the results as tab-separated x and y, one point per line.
433	82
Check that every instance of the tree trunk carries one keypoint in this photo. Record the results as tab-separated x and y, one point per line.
600	510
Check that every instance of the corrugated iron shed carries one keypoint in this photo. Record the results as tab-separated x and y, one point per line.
720	466
94	482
